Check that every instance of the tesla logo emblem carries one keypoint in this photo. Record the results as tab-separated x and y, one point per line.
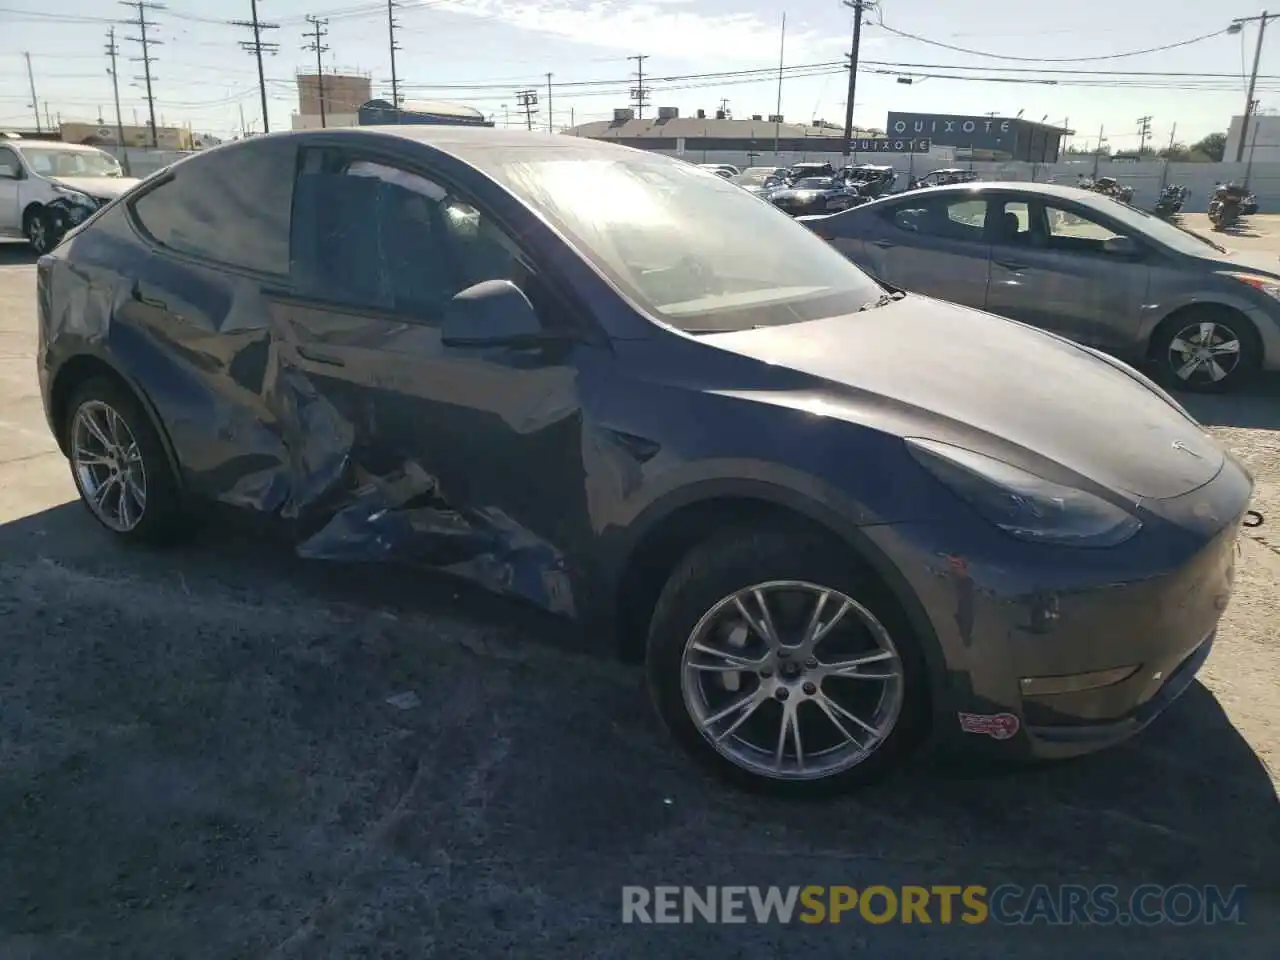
1179	445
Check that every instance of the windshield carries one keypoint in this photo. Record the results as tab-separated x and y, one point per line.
52	162
1146	224
657	231
757	175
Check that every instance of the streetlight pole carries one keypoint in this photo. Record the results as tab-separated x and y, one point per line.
1236	26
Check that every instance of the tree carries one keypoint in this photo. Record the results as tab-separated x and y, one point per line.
1213	146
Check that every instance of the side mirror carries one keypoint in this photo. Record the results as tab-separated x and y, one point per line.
493	313
1121	247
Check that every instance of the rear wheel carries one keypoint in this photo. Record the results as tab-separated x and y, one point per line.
777	661
120	467
1206	350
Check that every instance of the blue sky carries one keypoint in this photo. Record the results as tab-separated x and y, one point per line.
481	51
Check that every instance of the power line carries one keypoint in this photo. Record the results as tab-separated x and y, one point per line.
317	34
146	43
1001	56
639	93
392	46
258	48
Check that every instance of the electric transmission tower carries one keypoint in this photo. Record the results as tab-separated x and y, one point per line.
639	93
528	101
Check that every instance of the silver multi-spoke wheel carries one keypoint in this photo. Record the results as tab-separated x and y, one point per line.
108	466
1204	352
791	680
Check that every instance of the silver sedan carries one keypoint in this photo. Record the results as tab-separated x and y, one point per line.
1079	264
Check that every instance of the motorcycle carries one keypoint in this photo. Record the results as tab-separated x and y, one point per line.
1227	204
1169	204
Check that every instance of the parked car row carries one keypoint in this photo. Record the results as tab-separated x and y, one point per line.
833	517
1080	264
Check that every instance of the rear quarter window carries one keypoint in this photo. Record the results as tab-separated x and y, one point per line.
231	206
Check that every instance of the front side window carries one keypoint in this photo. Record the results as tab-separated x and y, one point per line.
230	206
55	162
693	251
376	236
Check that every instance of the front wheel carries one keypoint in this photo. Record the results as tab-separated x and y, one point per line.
1206	350
40	232
776	660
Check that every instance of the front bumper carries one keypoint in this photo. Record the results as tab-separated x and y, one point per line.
1022	627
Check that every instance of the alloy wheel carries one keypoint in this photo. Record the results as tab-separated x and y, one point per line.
38	234
791	680
108	466
1204	352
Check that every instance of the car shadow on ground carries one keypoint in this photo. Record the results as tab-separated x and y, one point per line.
16	254
1255	408
228	698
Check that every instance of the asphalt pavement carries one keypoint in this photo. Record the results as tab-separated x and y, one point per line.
221	751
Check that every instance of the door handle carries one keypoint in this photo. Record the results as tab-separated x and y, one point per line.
883	244
1012	265
142	298
321	356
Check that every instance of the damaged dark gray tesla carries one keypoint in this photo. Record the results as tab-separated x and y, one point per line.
832	518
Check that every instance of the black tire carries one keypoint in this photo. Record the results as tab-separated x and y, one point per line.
744	556
38	228
165	519
1248	362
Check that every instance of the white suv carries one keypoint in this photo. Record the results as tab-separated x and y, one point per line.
46	188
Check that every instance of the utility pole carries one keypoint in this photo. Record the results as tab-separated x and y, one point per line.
113	52
528	101
258	48
1144	131
550	112
1236	26
146	42
777	122
392	23
1097	152
724	107
317	33
1168	158
858	6
35	104
639	95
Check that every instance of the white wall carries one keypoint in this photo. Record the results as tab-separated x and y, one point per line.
1145	178
1261	140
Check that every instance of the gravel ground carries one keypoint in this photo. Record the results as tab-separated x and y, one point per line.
198	759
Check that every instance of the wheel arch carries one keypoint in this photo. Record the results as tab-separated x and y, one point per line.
80	369
671	528
34	207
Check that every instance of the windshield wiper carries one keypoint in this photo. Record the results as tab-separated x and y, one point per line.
883	301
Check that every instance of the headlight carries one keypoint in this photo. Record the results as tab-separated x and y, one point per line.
1268	285
75	196
1024	505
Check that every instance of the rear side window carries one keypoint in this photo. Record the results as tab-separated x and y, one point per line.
231	207
954	219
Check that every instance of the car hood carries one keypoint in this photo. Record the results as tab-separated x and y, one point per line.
1246	261
922	367
107	188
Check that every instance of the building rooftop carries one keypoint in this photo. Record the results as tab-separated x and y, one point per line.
708	127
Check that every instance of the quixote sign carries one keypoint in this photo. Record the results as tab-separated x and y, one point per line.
992	133
889	144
